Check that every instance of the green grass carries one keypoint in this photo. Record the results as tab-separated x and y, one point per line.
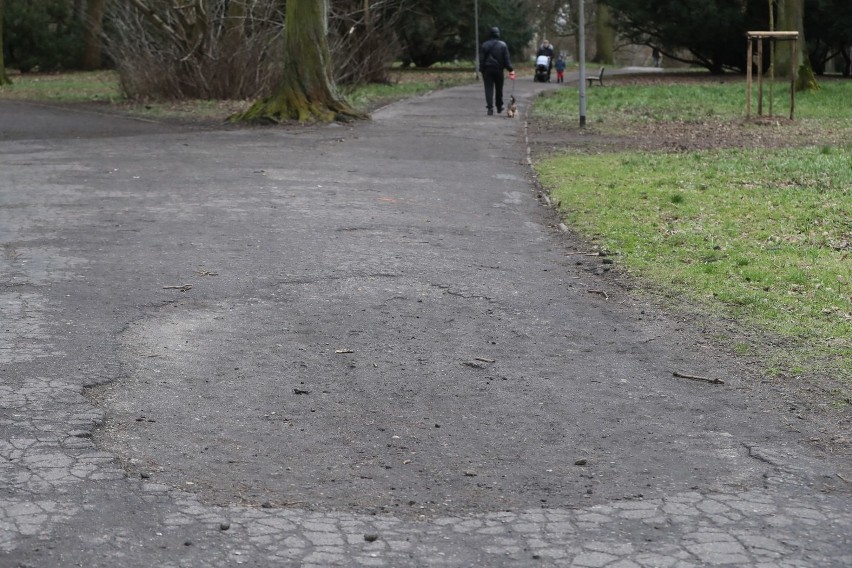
697	101
764	236
64	87
103	86
760	236
407	83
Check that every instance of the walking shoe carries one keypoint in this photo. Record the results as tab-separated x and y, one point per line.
499	110
490	112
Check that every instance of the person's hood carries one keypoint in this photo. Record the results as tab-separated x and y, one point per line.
495	32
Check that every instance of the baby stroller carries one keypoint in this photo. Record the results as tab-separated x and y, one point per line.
542	69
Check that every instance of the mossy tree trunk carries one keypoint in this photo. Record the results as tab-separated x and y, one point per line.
791	18
307	92
4	80
604	36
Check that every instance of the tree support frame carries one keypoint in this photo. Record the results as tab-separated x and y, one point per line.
757	38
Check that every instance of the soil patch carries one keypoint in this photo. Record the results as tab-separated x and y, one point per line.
548	135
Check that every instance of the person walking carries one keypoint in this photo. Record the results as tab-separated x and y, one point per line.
493	58
560	69
656	56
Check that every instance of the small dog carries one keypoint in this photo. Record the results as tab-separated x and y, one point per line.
512	111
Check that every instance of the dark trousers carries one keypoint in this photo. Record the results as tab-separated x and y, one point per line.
493	79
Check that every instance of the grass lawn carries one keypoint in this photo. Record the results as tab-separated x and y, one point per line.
762	235
103	87
95	86
409	83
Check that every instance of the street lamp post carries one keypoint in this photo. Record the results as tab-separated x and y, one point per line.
581	55
476	36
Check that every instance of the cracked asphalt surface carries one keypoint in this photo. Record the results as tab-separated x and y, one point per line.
364	345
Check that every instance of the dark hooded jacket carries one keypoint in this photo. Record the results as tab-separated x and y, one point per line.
494	54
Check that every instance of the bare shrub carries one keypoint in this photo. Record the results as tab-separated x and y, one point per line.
205	49
363	39
232	49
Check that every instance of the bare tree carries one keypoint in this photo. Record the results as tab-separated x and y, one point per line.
553	18
208	49
233	49
558	19
363	40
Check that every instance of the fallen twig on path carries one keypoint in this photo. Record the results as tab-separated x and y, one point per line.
601	292
182	287
697	378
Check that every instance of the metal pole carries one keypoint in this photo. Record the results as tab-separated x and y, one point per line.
581	36
749	64
794	64
760	79
476	36
772	77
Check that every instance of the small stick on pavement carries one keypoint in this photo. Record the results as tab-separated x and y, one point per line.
697	378
182	288
601	292
843	478
484	360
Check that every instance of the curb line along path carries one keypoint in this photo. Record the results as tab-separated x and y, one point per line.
360	346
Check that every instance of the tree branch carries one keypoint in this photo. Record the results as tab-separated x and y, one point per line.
155	19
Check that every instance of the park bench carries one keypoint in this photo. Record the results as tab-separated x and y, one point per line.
599	78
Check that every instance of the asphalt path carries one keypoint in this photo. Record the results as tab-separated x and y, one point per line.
361	345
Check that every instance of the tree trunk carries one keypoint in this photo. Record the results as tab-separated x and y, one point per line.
307	92
4	80
92	29
791	18
604	36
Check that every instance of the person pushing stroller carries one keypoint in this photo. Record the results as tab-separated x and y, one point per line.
544	62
